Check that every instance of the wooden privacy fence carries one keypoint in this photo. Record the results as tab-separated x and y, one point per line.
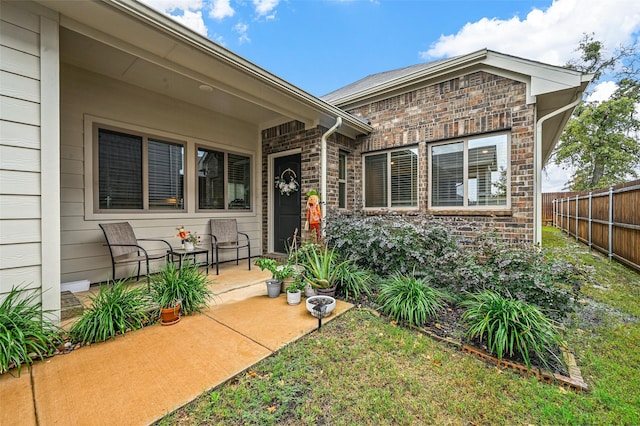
606	220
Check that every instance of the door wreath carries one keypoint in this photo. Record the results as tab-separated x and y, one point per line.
286	183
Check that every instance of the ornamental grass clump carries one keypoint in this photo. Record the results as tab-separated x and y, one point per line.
410	299
509	326
116	309
187	284
24	333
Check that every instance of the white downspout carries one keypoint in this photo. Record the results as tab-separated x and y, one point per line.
323	170
537	170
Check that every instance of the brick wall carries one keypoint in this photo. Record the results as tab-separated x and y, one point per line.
293	135
474	104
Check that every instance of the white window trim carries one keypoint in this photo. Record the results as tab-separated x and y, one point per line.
345	180
432	208
191	144
388	206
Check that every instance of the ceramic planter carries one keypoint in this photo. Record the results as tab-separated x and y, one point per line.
273	288
327	301
293	298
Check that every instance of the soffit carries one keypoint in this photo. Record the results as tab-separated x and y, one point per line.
146	49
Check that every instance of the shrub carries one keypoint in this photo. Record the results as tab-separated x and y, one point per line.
386	244
23	331
115	309
410	299
353	281
187	284
509	326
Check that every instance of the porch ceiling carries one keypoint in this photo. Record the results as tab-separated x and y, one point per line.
130	42
89	54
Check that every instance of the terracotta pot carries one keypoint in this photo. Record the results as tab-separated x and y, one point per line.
170	316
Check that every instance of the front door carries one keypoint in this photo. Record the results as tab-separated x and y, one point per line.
286	209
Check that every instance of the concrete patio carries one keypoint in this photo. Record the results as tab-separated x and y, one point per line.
139	377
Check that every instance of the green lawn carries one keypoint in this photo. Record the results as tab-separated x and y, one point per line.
362	369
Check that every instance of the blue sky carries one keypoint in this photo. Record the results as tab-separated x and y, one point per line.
322	45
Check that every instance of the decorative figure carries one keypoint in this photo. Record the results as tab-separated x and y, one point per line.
314	215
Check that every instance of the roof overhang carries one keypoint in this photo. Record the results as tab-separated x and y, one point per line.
548	87
130	42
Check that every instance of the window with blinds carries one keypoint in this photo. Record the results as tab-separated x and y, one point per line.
136	172
471	173
218	170
342	180
391	179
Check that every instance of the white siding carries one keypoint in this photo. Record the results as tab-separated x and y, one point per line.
24	141
87	98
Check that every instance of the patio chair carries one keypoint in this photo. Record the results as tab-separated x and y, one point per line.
124	248
224	235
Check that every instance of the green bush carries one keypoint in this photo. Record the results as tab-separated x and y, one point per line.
509	326
353	281
115	309
391	243
187	284
410	299
24	331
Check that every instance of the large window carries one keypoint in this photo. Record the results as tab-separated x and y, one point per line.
470	173
391	179
224	180
137	172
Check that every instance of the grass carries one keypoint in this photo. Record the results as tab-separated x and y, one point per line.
363	369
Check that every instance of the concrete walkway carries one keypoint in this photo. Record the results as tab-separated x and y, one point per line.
139	377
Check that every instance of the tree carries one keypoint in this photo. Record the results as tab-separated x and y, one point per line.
601	141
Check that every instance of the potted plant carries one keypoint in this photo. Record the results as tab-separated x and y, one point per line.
322	269
189	239
177	290
294	292
278	272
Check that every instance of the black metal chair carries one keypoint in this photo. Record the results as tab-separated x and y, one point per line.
124	248
224	235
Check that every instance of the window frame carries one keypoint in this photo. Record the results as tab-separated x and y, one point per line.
226	154
90	177
465	207
389	188
342	195
145	136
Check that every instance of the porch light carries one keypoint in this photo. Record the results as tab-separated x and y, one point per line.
206	88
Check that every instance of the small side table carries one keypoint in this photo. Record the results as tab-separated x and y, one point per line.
182	253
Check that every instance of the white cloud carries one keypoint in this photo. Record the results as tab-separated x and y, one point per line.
186	12
550	35
221	9
242	29
555	178
265	7
602	91
167	6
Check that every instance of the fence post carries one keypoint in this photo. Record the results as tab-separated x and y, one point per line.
590	216
610	222
554	217
577	211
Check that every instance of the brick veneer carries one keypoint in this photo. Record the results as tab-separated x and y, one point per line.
473	104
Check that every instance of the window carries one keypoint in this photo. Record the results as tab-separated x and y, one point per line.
342	180
213	180
391	179
137	172
470	173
